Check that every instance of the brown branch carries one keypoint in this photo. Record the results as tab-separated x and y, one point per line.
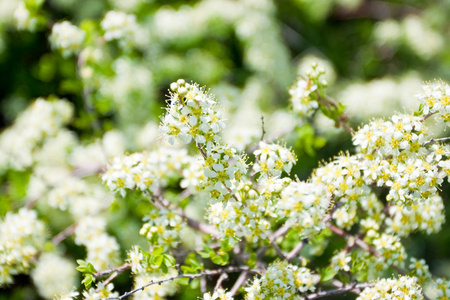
353	288
363	245
120	269
239	282
205	228
426	116
64	234
263	131
190	276
342	119
202	151
297	249
222	277
436	141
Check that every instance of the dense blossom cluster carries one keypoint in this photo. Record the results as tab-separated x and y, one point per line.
192	115
342	178
282	281
395	289
220	294
425	216
162	228
24	18
44	275
305	93
223	171
273	159
22	237
100	292
67	38
42	120
156	291
102	249
304	204
146	171
235	220
395	156
122	27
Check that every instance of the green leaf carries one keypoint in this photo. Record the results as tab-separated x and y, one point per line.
169	260
204	254
226	245
157	260
183	281
251	262
218	260
88	280
327	274
158	250
187	270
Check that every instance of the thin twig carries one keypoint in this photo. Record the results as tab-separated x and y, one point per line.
202	151
110	278
363	245
354	288
239	282
277	249
263	131
342	119
120	269
190	276
426	117
205	228
222	277
297	249
436	141
64	234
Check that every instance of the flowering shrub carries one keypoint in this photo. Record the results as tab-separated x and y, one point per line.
225	193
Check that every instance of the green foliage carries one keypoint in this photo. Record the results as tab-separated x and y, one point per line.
87	270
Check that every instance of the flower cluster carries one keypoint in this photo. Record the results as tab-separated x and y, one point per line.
162	228
390	248
395	157
67	38
24	18
442	287
304	97
235	219
22	236
42	120
304	205
102	249
273	159
223	171
282	281
342	178
44	275
155	291
79	197
192	115
100	292
425	216
341	261
219	294
435	98
395	289
145	171
121	26
394	137
420	270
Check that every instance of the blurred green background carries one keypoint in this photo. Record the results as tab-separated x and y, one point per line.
376	54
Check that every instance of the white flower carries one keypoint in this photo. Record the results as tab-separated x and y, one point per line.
67	38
